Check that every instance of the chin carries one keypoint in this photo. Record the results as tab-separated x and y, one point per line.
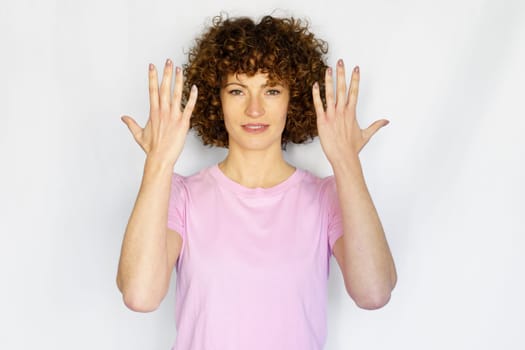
257	145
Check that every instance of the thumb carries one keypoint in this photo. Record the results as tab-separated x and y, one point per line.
132	126
374	127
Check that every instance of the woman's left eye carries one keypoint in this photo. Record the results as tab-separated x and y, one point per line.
273	92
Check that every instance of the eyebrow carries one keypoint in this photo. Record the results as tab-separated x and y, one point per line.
245	86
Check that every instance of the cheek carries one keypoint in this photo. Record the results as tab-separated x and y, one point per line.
284	113
228	116
227	122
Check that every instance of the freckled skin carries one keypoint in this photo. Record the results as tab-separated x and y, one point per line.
252	100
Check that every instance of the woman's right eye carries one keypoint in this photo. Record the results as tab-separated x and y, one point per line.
235	92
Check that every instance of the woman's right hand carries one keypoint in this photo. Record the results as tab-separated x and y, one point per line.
165	132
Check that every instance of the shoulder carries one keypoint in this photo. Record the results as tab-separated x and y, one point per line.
316	188
192	179
310	180
193	185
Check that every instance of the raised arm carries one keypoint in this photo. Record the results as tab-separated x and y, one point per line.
362	252
148	250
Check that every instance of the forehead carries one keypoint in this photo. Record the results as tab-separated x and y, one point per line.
257	79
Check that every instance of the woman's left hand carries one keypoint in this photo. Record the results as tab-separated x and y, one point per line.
340	135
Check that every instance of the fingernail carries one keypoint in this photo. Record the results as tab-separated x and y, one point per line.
329	70
316	85
168	62
193	88
151	66
356	69
177	69
340	62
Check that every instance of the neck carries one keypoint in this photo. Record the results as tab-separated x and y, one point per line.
256	168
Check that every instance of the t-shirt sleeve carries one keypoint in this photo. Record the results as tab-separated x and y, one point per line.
177	205
335	221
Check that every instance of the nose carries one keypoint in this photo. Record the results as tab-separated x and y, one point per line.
254	108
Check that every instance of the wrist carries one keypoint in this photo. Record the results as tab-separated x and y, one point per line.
347	163
154	164
349	168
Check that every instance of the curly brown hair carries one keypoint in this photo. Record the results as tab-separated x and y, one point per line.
284	48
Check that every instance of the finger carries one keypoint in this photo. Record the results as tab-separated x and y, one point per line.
329	89
132	125
373	128
165	86
177	93
318	103
354	87
341	84
153	91
186	114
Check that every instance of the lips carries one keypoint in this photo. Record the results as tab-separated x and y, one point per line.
255	127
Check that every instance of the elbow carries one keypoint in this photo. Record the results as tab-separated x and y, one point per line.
372	301
139	303
372	297
136	300
394	279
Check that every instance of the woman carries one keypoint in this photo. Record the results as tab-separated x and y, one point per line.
251	237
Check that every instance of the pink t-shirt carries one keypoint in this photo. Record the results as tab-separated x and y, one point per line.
253	269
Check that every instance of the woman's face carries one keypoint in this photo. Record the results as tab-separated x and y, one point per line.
254	111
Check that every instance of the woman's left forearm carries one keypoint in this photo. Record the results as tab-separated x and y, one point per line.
368	269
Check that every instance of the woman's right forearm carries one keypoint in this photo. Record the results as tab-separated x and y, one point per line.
143	274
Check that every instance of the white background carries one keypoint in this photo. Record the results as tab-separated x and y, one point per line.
447	174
